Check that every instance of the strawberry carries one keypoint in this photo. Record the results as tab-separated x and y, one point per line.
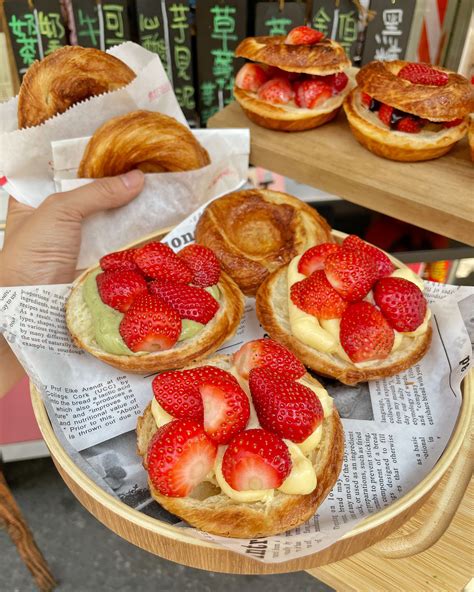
120	260
256	459
337	81
317	297
303	36
118	289
276	91
178	394
408	125
268	353
203	263
189	302
401	302
274	72
251	77
150	325
384	265
423	74
284	407
351	273
313	259
365	99
157	260
364	333
226	409
311	93
385	114
180	457
453	123
202	374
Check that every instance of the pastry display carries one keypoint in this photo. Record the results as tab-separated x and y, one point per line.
149	309
150	141
65	77
347	312
408	111
294	83
241	446
256	231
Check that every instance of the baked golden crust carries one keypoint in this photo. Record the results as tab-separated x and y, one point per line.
221	327
395	145
325	57
255	231
150	141
272	312
455	100
67	76
214	512
471	136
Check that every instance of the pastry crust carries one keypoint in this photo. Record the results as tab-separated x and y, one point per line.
65	77
256	231
395	145
150	141
455	100
272	312
221	327
471	136
214	512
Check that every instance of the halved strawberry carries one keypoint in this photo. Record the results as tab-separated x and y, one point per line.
119	261
268	353
385	114
384	265
365	99
423	74
256	459
251	77
401	302
364	333
337	81
284	407
408	125
352	273
189	302
150	325
158	260
178	394
317	297
118	289
303	36
277	91
179	457
311	93
203	263
453	123
313	259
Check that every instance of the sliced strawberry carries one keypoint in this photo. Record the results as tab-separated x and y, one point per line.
423	74
251	77
315	296
453	123
408	125
203	263
119	289
178	394
268	353
311	93
365	99
150	325
256	459
277	91
158	260
401	302
313	259
189	302
365	334
179	457
337	81
120	261
303	36
351	273
384	265
385	114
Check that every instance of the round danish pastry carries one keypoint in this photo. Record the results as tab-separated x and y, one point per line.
408	111
65	77
150	141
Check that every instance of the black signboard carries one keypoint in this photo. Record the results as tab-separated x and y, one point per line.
116	22
23	30
271	20
52	28
387	33
87	21
220	25
338	20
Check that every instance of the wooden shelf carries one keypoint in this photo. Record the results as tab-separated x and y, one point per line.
436	195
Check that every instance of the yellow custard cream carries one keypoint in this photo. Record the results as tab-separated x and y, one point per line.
106	320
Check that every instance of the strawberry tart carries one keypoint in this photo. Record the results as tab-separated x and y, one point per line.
347	312
241	446
151	309
299	81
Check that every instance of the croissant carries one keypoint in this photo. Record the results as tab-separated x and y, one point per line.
67	76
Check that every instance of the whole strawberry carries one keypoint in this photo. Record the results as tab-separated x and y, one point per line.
401	302
338	81
178	394
352	273
268	353
189	302
251	77
158	260
317	297
303	36
277	91
382	262
120	261
118	289
423	74
314	258
203	263
385	114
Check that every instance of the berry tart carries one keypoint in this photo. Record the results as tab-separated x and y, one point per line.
347	312
244	446
151	309
298	83
408	111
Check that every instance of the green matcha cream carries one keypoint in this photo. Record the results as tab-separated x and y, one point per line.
106	320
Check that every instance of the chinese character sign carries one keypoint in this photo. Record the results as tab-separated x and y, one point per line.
270	20
87	22
116	22
51	26
339	21
23	30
